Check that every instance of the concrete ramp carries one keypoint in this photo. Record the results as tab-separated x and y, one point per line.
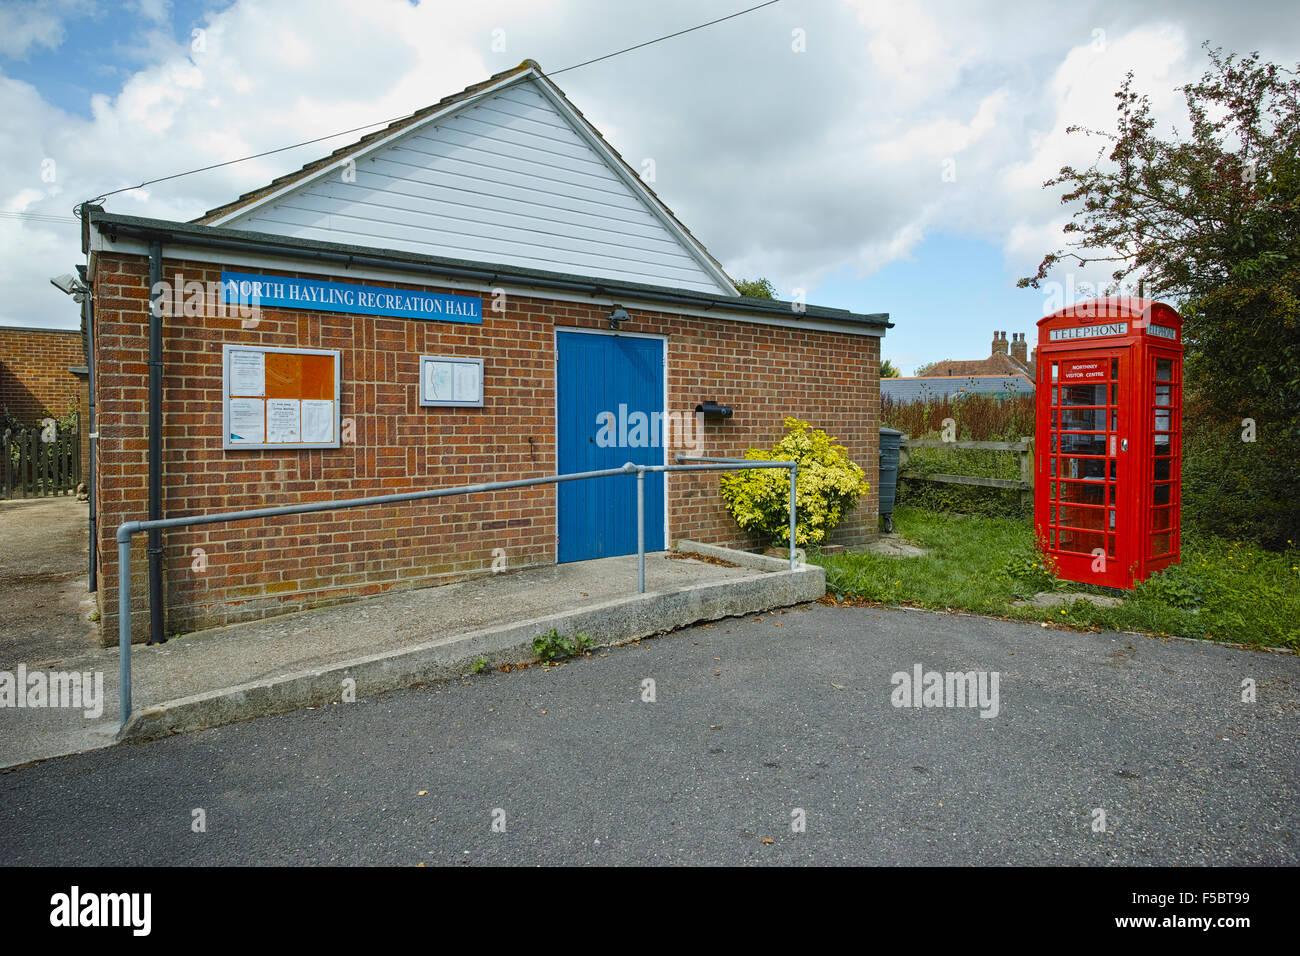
396	640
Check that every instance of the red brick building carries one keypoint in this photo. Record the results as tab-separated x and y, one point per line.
39	372
553	282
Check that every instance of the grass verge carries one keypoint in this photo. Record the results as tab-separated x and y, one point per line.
1223	590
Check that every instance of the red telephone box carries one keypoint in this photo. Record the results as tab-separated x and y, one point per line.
1108	443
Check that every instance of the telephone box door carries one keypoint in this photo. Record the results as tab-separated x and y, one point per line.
1161	494
1085	437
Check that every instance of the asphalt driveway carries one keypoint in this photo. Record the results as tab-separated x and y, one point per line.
769	739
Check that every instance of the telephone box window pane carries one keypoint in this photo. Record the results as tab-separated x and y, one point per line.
1093	469
1053	537
1164	370
1161	494
1163	394
1082	542
1092	444
1162	469
1056	398
1091	519
1162	422
1084	395
1054	419
1161	543
1053	374
1114	394
1082	493
1083	419
1112	519
1162	519
1162	444
1110	546
1114	369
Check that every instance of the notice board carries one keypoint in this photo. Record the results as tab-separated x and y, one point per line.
280	397
447	380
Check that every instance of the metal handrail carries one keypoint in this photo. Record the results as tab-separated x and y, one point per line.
127	529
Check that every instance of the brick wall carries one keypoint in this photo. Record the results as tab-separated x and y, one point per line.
34	377
225	573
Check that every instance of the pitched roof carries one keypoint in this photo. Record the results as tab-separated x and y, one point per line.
996	364
528	68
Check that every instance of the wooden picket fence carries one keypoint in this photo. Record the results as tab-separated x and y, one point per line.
31	467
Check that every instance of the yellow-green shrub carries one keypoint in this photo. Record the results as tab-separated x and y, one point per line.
828	485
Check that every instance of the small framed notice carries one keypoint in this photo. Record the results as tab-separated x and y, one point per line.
456	382
280	397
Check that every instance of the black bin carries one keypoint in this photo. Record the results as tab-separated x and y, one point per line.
890	440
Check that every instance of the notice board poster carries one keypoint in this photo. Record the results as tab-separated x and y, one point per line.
280	397
451	381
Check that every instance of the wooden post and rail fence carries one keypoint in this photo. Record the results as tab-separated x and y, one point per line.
1024	447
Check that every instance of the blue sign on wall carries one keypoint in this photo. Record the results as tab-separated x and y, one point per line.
284	292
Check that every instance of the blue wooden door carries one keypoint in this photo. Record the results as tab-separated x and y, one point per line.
610	394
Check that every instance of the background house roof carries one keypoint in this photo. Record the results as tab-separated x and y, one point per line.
920	388
996	364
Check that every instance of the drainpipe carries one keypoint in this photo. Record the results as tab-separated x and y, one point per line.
88	326
88	320
155	549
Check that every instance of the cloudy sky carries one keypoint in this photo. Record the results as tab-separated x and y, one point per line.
883	156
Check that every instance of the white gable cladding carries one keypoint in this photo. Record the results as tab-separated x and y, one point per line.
506	179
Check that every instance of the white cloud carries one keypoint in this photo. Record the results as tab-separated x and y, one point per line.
156	11
1082	94
942	136
793	166
25	25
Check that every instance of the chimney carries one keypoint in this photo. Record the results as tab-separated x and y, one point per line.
1020	348
999	342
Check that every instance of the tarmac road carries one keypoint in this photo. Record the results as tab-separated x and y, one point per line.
757	725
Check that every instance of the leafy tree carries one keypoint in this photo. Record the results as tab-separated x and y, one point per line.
756	288
1210	219
888	370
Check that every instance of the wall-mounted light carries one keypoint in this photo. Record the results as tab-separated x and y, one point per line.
617	317
69	284
712	411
